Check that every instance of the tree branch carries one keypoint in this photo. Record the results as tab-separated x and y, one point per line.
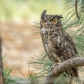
71	63
76	10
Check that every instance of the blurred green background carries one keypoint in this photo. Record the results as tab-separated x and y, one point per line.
29	9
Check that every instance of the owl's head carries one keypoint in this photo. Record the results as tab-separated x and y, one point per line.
49	21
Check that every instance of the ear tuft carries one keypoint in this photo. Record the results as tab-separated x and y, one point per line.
58	16
43	13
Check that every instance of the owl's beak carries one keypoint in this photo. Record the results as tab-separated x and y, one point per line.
48	23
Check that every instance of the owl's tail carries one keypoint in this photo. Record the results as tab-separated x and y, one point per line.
73	72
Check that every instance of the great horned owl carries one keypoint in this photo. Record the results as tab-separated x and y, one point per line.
57	43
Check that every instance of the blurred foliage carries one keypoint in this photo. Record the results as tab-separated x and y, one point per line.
32	77
70	6
7	75
78	35
42	64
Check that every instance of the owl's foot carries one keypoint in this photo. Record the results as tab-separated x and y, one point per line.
54	66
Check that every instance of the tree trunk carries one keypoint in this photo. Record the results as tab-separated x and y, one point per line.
1	66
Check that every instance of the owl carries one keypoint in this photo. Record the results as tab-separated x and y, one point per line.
57	43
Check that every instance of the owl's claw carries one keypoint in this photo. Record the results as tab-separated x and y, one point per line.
54	66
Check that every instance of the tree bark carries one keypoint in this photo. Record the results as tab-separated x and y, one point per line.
71	63
1	66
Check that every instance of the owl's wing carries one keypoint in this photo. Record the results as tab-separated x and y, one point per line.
69	39
65	48
63	43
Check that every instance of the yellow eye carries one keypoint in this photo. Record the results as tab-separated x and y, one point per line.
44	21
52	21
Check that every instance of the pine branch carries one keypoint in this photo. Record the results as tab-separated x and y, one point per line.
71	63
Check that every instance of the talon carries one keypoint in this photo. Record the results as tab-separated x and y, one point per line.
54	66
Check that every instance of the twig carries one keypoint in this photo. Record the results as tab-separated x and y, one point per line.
76	10
71	63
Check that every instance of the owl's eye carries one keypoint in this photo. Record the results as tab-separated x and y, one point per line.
52	21
44	21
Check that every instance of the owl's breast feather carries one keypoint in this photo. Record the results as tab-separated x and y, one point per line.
44	30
